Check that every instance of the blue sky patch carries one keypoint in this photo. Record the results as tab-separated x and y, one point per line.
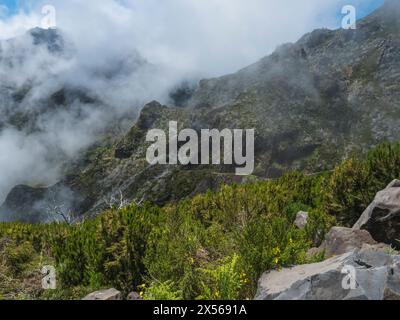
364	7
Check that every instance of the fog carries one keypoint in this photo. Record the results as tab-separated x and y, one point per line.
122	54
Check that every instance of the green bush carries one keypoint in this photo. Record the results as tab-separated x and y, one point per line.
223	282
172	248
354	183
271	243
213	246
161	291
318	225
17	256
106	251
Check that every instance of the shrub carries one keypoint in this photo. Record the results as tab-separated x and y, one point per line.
17	256
162	291
354	183
172	248
106	251
223	282
214	246
319	223
383	164
270	243
347	193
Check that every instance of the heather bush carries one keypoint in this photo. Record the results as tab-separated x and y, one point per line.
213	246
354	183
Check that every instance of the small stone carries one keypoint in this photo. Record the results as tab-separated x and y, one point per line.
301	219
134	296
109	294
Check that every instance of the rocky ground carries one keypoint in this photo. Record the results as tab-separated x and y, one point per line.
354	256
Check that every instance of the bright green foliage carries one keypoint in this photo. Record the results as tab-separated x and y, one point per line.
202	245
20	276
223	282
18	256
383	165
347	195
108	250
213	246
271	242
162	291
354	183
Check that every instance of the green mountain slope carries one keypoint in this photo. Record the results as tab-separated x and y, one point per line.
311	103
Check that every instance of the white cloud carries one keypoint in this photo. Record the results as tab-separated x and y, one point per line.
179	37
209	36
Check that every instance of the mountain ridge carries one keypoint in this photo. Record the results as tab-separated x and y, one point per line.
312	103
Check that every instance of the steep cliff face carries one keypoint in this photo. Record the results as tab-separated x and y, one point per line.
311	103
314	101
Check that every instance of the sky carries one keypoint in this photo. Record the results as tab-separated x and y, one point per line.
11	5
212	37
365	7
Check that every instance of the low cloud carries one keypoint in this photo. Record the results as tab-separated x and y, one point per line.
122	54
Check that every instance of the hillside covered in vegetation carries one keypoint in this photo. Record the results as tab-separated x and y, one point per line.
312	104
212	246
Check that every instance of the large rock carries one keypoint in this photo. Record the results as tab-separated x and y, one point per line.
109	294
341	240
376	277
382	217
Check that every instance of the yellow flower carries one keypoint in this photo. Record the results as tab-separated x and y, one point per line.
276	260
277	251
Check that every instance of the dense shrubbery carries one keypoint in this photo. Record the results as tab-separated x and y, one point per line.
214	246
354	183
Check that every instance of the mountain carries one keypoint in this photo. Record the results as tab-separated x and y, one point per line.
312	103
41	75
53	107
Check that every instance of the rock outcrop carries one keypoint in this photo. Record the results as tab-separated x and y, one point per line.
110	294
341	240
363	274
382	217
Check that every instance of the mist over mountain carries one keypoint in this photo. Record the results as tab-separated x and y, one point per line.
67	119
53	106
171	150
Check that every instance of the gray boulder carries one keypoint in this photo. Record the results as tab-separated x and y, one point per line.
109	294
341	240
382	217
301	219
363	274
